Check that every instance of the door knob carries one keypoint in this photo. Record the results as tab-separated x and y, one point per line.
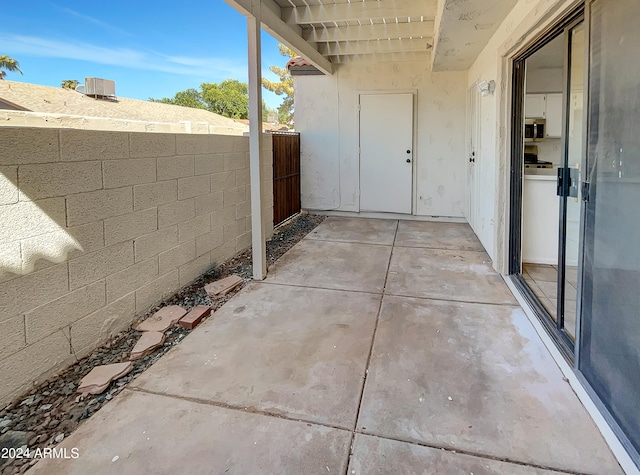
408	160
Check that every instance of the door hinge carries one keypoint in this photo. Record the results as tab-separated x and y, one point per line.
584	190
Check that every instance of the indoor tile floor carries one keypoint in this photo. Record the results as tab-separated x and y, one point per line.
543	282
373	347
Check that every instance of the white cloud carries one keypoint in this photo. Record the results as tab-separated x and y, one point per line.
95	21
202	68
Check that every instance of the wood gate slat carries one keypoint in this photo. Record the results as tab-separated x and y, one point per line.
286	175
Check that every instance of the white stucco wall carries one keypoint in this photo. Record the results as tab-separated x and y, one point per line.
326	116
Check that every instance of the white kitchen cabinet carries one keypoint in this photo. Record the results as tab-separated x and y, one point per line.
535	106
553	114
540	211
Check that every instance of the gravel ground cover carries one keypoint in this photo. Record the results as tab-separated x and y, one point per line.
49	412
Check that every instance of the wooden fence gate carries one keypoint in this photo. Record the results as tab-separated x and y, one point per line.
286	175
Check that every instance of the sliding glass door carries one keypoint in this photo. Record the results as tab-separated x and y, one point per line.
609	343
551	175
569	189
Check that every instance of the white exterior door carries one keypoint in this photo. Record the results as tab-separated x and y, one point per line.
473	155
386	152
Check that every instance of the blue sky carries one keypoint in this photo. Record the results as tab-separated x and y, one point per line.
151	49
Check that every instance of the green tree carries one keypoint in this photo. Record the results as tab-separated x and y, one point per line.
284	87
187	98
8	64
69	84
230	98
266	111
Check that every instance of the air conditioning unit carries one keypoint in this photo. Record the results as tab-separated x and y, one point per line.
99	87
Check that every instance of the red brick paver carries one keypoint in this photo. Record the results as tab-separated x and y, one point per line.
197	313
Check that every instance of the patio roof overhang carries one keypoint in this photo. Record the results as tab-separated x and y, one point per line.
449	34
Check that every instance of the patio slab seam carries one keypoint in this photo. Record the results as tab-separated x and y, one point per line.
350	242
373	339
245	409
468	452
437	299
434	248
287	284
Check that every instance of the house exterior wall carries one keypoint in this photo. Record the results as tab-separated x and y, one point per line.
326	115
99	226
526	20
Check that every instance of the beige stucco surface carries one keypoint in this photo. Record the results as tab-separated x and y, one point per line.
327	118
97	226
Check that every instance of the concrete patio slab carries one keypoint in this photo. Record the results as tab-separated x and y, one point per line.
274	381
377	456
449	275
476	378
333	265
437	235
291	351
140	433
362	230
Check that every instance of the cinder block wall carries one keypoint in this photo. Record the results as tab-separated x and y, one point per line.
95	227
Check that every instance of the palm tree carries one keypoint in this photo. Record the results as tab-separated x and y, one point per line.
9	64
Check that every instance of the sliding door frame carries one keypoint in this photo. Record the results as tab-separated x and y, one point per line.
559	337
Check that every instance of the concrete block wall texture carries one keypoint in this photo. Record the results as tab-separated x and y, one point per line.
95	227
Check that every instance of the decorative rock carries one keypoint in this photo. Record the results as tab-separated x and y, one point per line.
162	319
197	313
59	438
148	342
14	439
223	286
28	401
100	377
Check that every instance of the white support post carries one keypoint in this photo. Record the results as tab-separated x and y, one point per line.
255	140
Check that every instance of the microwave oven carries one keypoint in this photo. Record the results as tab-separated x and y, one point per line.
534	130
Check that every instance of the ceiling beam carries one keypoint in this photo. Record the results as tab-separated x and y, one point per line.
363	11
415	29
287	34
415	56
374	47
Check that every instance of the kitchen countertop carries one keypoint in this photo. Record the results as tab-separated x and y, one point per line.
540	173
536	177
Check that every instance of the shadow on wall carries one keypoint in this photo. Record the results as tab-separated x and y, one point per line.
31	230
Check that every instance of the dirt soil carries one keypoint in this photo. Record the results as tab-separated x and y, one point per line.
47	414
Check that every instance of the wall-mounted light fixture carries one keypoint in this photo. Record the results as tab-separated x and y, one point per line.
486	87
